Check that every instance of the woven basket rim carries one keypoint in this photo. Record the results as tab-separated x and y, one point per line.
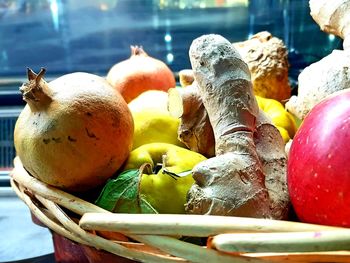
155	235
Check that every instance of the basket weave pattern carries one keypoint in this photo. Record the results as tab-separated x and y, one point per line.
153	238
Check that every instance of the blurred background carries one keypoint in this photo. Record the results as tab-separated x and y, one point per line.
66	36
91	35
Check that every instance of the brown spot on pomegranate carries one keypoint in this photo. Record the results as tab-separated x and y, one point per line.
71	139
91	134
78	105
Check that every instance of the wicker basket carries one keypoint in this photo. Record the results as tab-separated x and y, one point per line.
154	238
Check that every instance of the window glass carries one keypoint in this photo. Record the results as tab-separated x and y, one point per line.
91	35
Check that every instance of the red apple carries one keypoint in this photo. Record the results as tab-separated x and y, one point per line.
319	164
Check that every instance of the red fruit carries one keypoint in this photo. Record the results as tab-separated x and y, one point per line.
319	164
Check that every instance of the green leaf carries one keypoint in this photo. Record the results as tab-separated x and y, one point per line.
122	195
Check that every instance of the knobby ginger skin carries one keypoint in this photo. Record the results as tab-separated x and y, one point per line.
185	103
234	181
320	80
186	77
267	59
195	130
331	73
333	17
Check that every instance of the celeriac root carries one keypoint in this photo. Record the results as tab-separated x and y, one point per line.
234	181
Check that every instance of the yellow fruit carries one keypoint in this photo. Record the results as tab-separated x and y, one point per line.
153	126
284	133
162	188
151	99
152	121
282	119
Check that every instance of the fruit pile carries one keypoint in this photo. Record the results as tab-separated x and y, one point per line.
226	141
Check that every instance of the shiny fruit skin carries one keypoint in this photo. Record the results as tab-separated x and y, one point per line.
165	193
282	119
140	73
153	126
156	100
319	164
152	120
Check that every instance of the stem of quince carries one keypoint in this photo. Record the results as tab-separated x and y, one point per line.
165	170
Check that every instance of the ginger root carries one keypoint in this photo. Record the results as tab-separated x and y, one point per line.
319	80
194	129
332	73
267	59
247	177
186	77
185	103
270	148
333	17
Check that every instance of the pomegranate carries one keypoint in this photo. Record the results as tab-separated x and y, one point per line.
140	73
75	131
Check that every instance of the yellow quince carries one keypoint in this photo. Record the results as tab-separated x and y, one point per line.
282	119
166	186
152	121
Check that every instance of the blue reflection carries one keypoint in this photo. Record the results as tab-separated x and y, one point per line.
169	58
54	14
167	38
331	37
4	60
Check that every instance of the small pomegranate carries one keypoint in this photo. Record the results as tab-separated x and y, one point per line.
140	73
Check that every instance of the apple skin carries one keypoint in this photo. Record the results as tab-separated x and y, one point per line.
319	164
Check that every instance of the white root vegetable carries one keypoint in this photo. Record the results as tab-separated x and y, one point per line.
319	80
332	73
234	181
333	17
